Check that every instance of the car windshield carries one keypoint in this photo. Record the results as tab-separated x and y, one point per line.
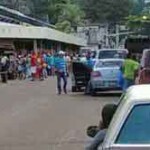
138	123
107	54
109	64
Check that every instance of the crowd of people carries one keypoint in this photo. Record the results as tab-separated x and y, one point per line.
32	66
38	66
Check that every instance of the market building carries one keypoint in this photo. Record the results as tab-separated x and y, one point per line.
20	32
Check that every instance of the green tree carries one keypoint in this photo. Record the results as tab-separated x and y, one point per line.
107	10
65	14
39	8
139	23
138	7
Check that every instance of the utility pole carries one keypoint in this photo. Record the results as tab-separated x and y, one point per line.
117	36
107	33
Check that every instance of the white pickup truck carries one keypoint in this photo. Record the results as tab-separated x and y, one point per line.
130	125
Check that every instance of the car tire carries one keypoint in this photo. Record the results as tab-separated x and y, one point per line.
74	89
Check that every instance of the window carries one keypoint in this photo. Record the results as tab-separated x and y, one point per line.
136	129
106	54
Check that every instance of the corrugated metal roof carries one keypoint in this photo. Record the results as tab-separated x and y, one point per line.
16	15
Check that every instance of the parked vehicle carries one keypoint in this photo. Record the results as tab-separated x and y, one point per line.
130	126
105	75
87	49
111	54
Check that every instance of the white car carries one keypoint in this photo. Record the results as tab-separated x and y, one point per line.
111	54
130	126
105	75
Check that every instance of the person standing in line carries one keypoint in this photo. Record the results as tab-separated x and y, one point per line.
50	63
68	61
40	67
129	69
28	64
24	67
61	72
54	60
33	65
20	68
4	68
44	65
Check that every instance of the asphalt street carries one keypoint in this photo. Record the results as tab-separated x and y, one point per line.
34	117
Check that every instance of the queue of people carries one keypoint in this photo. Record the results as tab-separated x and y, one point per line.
29	66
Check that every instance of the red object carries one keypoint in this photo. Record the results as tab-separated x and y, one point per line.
33	60
96	74
39	62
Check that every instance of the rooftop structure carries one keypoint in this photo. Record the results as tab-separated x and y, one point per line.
12	16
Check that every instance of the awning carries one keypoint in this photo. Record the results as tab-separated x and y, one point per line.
10	31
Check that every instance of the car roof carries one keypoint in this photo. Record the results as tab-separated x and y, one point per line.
138	93
109	49
110	59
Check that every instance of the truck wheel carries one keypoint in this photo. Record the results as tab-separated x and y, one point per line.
74	89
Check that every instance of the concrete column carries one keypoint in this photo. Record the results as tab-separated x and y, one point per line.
59	46
35	46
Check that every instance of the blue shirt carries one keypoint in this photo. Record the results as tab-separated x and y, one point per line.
90	63
49	61
60	64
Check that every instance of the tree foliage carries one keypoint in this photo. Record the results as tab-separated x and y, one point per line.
65	14
107	10
139	23
138	7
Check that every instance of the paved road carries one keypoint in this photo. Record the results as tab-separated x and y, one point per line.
33	117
